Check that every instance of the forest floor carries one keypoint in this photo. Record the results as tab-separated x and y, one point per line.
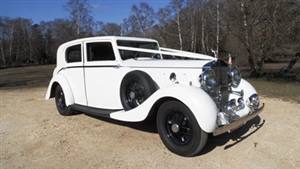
33	135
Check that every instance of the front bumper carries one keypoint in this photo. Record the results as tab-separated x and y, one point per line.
236	124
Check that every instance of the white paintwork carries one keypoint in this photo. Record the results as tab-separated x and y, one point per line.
102	86
157	63
203	107
62	81
99	87
248	90
72	76
110	78
75	77
100	80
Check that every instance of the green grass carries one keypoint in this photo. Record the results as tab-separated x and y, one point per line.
286	90
26	76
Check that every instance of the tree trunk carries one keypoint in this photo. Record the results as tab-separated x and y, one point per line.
11	39
291	64
193	30
218	27
179	27
202	34
78	25
207	43
269	43
251	58
3	54
140	24
30	46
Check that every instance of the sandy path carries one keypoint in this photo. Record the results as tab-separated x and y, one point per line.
33	135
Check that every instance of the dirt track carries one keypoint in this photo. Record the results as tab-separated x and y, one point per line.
33	135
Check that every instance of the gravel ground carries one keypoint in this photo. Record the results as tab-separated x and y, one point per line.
33	135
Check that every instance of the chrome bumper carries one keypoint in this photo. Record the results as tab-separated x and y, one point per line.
238	123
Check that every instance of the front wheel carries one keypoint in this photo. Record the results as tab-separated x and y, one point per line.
179	129
60	102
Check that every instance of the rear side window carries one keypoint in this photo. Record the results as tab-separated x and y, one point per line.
138	44
100	51
73	54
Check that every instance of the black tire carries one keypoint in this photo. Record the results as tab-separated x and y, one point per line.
60	102
135	88
179	129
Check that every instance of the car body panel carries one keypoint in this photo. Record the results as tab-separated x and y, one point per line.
103	79
203	107
75	78
248	90
62	81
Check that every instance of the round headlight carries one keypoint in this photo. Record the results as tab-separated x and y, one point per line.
235	76
208	79
254	101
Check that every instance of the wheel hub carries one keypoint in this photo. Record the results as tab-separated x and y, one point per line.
132	95
178	128
175	128
135	94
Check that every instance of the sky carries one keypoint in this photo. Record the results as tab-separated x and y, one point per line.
46	10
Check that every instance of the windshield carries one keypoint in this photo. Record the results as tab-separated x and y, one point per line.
140	50
127	53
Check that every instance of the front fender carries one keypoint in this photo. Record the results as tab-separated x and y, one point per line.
62	81
247	88
197	100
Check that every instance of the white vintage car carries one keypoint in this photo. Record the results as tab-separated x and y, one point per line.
131	79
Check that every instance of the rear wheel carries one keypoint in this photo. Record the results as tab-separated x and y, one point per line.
179	129
60	102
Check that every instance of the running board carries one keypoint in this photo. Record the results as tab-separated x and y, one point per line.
94	111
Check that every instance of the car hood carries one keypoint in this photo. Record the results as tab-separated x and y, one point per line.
158	63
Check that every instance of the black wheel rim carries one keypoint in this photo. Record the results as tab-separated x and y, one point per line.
135	94
60	100
179	129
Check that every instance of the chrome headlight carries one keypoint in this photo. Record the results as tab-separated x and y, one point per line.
254	101
208	79
235	76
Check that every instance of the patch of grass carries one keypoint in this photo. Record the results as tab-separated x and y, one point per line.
26	76
286	90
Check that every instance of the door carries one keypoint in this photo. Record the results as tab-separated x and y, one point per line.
102	75
73	72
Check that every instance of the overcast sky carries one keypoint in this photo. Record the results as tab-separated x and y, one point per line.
103	10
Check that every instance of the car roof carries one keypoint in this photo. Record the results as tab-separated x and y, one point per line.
110	38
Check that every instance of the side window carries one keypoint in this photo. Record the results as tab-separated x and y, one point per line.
73	54
100	51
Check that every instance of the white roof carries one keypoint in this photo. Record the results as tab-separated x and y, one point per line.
111	38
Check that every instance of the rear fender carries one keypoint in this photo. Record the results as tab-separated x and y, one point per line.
197	100
62	81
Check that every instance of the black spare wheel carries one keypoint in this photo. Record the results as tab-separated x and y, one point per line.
60	101
136	87
179	129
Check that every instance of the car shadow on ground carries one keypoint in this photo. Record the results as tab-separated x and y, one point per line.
148	125
236	136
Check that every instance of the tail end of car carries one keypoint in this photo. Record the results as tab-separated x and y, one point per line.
59	80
